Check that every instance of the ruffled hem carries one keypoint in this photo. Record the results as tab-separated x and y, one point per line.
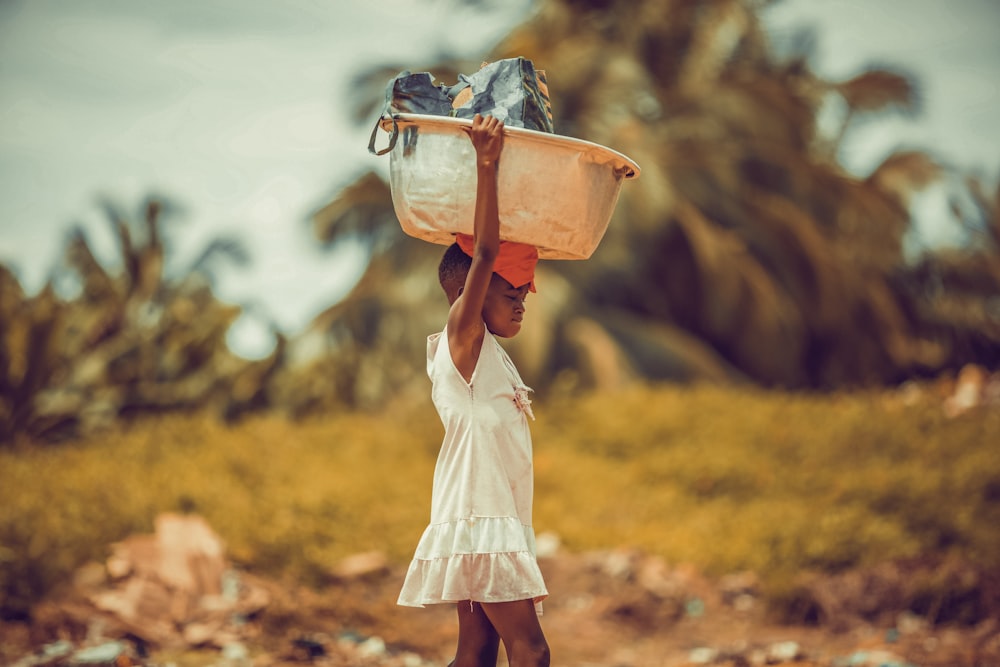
476	577
475	535
484	559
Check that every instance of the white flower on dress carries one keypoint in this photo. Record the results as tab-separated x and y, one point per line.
522	401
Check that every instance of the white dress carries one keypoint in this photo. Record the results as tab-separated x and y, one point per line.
479	545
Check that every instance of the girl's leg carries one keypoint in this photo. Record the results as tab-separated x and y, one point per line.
478	641
518	627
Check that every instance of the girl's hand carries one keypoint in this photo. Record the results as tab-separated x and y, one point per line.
487	137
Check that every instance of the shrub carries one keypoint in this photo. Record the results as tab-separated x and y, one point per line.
722	478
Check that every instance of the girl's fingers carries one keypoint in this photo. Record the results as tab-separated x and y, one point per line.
485	122
484	128
493	126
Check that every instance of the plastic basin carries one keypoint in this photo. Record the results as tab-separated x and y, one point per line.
554	192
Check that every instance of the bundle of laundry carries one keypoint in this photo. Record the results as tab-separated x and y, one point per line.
555	193
511	90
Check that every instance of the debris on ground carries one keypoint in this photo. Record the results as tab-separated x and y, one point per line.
173	598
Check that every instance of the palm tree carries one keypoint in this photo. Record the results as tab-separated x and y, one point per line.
130	342
745	249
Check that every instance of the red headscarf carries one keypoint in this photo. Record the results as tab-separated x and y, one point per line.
515	262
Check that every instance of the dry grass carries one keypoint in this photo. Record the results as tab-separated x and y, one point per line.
720	478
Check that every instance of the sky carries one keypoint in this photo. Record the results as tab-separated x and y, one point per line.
236	111
953	50
233	109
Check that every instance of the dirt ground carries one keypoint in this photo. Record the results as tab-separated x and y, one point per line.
614	609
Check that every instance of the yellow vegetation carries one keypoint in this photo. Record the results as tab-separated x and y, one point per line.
722	478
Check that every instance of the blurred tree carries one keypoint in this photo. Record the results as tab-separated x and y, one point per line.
743	253
128	343
744	243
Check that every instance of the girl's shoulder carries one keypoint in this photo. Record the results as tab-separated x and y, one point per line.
434	342
437	344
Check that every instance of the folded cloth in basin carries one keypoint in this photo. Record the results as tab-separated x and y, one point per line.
515	262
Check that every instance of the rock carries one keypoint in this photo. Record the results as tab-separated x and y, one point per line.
170	589
909	623
783	652
143	606
235	653
703	655
547	545
655	576
113	654
738	585
411	660
90	576
872	659
694	608
202	633
640	609
969	390
372	647
191	555
50	654
620	563
309	648
128	552
252	595
362	565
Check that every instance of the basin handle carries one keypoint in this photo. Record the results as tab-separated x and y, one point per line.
392	135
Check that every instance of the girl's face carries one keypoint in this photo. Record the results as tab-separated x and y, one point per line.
503	309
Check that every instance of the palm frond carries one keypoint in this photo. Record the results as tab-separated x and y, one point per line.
230	248
881	89
362	209
904	173
97	282
989	207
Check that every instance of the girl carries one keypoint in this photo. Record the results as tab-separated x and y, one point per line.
479	549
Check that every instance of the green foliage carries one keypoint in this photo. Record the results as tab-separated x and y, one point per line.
721	478
772	482
129	342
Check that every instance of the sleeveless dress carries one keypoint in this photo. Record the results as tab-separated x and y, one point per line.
479	545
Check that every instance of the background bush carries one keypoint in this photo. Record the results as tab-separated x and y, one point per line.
724	479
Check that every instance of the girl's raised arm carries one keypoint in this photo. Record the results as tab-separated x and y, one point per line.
465	320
